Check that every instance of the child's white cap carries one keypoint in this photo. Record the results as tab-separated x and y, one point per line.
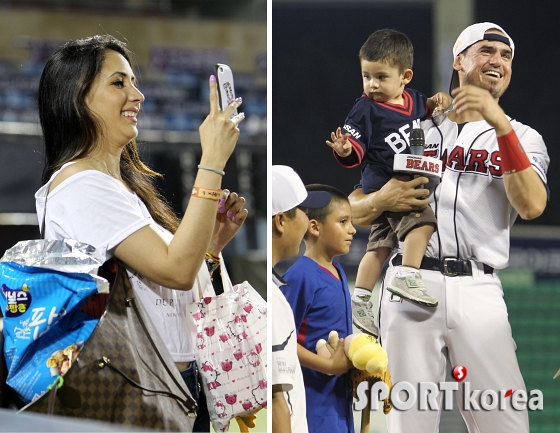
288	191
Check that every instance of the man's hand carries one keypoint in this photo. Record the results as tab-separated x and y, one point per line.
340	143
473	98
397	195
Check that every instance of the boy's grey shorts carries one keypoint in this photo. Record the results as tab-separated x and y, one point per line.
392	227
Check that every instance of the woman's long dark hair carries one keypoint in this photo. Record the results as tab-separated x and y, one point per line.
71	131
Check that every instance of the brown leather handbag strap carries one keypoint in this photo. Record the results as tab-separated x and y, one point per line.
189	402
130	301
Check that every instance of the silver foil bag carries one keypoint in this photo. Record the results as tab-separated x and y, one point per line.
65	255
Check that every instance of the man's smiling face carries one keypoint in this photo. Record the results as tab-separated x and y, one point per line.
486	64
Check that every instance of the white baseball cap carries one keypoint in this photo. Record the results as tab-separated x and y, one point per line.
288	191
471	35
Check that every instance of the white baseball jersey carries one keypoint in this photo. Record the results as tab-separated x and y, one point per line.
286	369
474	215
469	327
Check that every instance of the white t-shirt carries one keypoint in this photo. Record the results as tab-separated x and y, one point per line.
286	370
94	208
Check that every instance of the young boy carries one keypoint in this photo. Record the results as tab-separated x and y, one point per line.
289	223
318	293
378	127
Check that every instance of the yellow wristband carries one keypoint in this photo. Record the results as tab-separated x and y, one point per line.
213	257
210	194
212	262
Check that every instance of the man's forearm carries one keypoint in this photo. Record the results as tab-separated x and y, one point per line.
526	193
363	210
397	195
524	188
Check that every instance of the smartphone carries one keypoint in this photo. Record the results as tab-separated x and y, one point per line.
226	91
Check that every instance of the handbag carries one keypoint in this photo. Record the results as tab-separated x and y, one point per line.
124	373
231	351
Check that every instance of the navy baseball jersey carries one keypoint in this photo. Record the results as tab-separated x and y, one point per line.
378	131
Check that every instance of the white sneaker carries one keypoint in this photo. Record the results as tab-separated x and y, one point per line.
362	315
412	287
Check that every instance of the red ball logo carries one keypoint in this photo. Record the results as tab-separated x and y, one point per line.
459	373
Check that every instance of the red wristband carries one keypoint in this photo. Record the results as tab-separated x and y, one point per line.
513	156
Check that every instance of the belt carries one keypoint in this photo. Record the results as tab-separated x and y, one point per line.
448	267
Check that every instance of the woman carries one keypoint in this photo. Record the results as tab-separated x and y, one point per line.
98	191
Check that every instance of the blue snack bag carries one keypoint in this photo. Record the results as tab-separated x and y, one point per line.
50	356
44	327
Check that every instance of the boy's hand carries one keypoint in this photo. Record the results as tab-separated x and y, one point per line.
340	363
444	100
441	101
438	104
340	143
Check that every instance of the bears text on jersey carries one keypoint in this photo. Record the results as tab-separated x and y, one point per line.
479	161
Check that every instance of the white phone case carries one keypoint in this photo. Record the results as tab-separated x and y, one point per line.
226	90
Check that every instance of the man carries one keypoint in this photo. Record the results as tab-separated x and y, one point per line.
289	224
494	169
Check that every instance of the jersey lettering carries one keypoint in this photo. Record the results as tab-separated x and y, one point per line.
456	159
495	165
353	132
396	142
403	130
400	141
476	161
431	150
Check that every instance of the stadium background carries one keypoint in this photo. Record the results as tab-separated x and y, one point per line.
315	67
316	78
176	45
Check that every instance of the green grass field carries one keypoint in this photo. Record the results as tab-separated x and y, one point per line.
534	315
